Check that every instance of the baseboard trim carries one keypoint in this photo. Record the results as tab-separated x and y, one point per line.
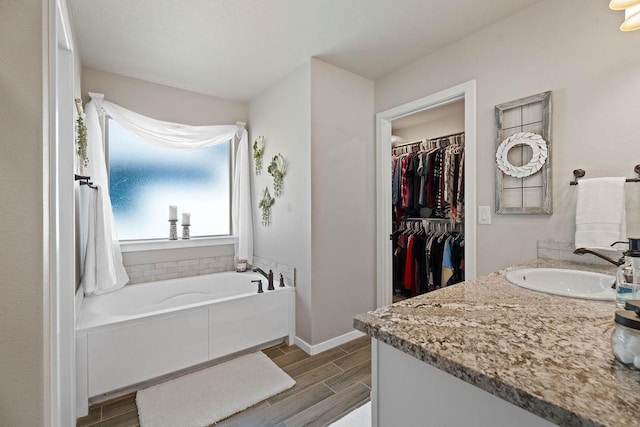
328	344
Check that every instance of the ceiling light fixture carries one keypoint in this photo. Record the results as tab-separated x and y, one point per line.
631	13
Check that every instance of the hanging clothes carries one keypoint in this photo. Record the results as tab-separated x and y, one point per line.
430	178
425	260
427	178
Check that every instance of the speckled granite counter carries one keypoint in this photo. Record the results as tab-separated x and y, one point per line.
547	354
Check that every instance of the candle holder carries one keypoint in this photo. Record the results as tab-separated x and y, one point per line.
173	229
185	231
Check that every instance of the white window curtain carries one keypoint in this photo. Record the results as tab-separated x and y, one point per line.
241	212
103	268
174	135
167	134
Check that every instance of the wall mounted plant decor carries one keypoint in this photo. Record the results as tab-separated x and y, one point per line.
81	138
258	152
277	169
523	156
265	206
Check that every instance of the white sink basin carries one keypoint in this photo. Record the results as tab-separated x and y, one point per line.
567	283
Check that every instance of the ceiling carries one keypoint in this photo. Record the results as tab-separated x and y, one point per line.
235	49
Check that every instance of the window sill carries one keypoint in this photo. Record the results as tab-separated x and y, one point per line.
154	245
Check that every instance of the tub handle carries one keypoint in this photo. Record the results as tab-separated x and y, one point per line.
259	282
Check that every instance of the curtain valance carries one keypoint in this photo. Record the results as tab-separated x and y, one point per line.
168	134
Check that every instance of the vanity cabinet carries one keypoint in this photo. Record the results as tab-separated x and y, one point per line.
409	392
489	353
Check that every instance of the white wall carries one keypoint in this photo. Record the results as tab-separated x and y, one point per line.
282	115
22	260
320	118
162	102
573	48
343	199
434	129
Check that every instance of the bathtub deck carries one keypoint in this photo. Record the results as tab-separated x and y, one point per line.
328	385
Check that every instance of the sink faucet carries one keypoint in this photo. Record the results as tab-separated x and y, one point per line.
268	276
582	251
618	263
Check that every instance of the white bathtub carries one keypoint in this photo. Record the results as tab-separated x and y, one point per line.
144	331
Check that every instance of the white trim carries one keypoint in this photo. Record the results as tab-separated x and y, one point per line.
59	216
155	245
328	344
67	37
79	299
374	382
467	92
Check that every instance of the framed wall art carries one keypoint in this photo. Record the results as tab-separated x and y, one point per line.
523	156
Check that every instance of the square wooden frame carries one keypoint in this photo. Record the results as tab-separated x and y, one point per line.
546	207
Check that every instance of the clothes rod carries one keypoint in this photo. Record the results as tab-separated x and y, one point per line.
447	136
406	144
579	173
428	219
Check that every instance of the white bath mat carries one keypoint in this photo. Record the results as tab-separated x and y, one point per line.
204	397
360	417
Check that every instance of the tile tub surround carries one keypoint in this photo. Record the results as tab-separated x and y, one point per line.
142	273
288	273
546	354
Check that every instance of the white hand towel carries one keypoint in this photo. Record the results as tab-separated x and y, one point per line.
600	213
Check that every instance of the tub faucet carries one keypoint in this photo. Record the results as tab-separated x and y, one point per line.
259	282
268	276
582	251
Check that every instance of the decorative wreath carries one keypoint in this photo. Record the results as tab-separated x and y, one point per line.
538	159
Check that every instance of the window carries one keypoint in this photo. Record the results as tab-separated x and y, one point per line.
144	179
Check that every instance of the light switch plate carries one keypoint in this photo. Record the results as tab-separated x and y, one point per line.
484	214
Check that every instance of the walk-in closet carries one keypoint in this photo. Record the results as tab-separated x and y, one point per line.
427	181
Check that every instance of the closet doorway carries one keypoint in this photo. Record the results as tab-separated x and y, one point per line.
439	129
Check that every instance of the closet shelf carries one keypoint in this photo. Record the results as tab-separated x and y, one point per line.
428	219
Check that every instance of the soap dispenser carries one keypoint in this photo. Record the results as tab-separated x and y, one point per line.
628	275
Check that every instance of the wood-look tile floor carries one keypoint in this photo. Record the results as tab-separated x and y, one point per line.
328	385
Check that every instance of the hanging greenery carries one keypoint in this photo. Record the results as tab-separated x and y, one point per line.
265	205
277	169
81	140
258	151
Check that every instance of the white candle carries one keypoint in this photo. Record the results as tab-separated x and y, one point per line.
186	218
173	213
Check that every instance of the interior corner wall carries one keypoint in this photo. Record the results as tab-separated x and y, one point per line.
282	116
22	258
592	69
343	199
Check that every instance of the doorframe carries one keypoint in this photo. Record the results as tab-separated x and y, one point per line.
465	91
59	191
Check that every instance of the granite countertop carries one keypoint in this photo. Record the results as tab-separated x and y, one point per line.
547	354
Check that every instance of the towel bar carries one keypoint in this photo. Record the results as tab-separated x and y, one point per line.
579	173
